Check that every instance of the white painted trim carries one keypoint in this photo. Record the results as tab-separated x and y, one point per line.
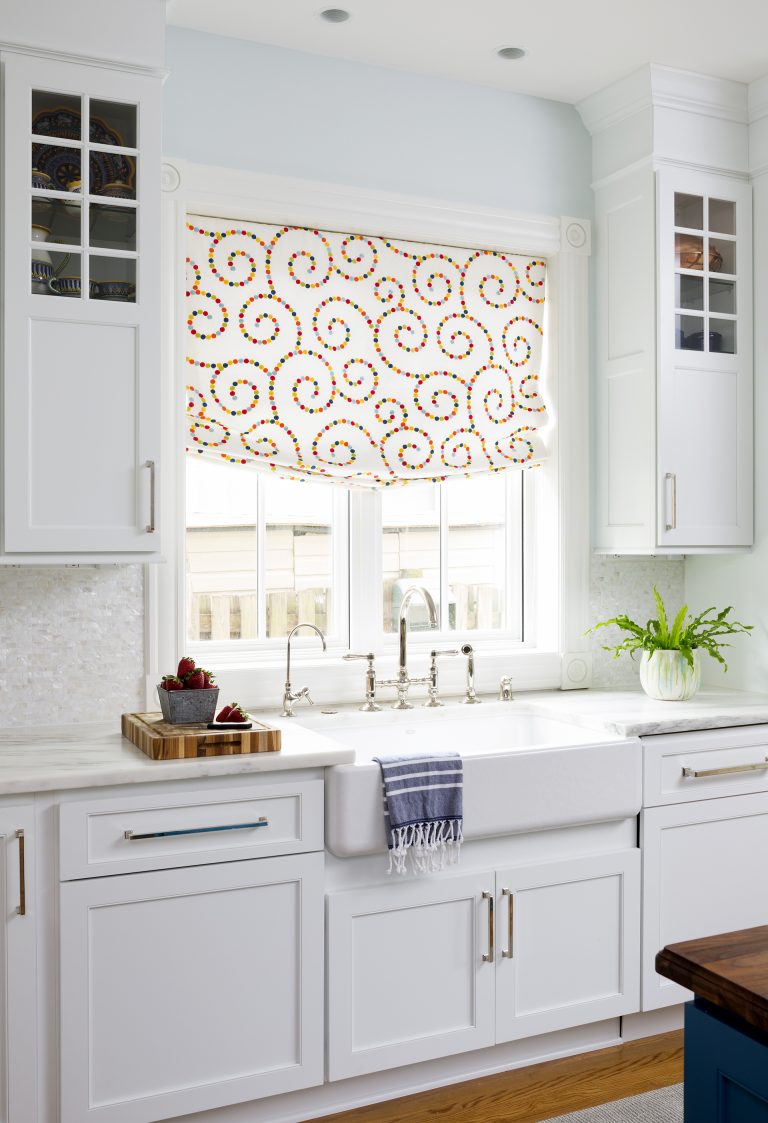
663	87
565	242
84	60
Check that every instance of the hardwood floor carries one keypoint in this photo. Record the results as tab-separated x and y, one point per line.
527	1095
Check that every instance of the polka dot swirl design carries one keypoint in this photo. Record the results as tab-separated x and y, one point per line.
425	362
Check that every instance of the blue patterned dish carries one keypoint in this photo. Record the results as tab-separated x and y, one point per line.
67	125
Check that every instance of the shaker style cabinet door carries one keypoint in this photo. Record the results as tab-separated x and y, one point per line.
189	989
567	945
705	360
18	997
81	350
408	977
703	874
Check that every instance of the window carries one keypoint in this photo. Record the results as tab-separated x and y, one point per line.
264	553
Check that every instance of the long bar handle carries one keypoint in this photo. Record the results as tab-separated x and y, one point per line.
489	956
21	908
694	774
132	836
507	953
150	528
671	523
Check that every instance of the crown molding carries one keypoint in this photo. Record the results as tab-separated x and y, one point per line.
159	72
661	87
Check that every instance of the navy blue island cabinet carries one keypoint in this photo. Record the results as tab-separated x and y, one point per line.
726	1026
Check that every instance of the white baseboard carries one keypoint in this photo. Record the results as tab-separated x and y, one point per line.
347	1095
634	1026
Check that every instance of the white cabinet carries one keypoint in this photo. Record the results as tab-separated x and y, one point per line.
191	988
703	873
569	936
81	349
674	362
18	991
430	968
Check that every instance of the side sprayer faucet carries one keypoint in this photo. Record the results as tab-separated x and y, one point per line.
288	695
470	698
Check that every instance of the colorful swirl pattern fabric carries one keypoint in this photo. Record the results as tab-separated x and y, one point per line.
364	360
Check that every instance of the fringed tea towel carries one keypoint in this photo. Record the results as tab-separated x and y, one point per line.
423	810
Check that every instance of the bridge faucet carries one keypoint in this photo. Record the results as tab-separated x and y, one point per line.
402	682
288	696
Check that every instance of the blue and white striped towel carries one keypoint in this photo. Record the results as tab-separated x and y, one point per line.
423	810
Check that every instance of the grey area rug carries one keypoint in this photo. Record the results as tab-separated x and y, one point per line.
665	1105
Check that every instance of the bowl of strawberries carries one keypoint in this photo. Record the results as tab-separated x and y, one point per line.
188	696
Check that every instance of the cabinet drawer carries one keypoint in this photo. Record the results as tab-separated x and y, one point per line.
704	765
143	832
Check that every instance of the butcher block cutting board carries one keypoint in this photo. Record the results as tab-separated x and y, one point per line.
162	741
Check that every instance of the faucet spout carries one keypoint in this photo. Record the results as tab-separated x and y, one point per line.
288	695
403	681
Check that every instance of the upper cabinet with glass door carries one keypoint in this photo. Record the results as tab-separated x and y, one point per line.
84	162
704	385
81	351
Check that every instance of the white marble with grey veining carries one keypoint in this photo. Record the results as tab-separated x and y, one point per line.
631	713
52	758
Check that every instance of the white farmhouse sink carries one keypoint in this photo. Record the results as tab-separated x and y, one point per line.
522	771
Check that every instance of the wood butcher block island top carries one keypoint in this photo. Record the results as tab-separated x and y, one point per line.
730	971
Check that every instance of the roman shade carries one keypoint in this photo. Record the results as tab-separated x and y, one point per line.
363	360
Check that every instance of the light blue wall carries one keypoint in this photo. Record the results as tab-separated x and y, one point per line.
234	103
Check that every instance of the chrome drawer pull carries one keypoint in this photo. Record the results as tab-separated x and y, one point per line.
507	952
131	836
692	774
21	908
488	956
671	523
150	528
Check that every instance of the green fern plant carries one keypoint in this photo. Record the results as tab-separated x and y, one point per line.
705	632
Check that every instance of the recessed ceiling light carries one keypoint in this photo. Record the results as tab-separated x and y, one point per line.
335	15
510	52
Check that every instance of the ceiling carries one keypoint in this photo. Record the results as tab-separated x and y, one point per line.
573	48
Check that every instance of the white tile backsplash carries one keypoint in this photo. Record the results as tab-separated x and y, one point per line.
624	585
71	643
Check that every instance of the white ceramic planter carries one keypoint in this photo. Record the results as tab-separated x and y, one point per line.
666	675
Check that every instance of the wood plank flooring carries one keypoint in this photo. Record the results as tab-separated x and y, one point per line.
528	1095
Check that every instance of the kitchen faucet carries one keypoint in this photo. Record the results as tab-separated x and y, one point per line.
288	696
403	682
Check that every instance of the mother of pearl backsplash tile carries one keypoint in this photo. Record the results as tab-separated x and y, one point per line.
71	643
620	586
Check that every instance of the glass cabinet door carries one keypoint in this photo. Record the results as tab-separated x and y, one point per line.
84	207
705	265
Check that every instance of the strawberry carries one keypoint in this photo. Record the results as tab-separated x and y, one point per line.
210	679
186	666
222	715
195	680
172	682
237	713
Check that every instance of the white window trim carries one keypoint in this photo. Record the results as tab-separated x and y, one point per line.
563	659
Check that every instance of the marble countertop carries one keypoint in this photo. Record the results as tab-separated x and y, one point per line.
631	713
51	758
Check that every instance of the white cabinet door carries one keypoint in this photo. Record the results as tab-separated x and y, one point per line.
703	873
190	988
18	1093
81	348
407	980
705	360
567	947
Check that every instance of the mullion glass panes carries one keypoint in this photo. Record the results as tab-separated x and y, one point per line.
298	555
411	553
56	115
113	123
113	278
112	228
712	255
476	552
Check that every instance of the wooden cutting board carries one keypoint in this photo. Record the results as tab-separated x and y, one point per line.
162	741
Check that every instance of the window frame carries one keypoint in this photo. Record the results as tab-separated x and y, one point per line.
556	506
